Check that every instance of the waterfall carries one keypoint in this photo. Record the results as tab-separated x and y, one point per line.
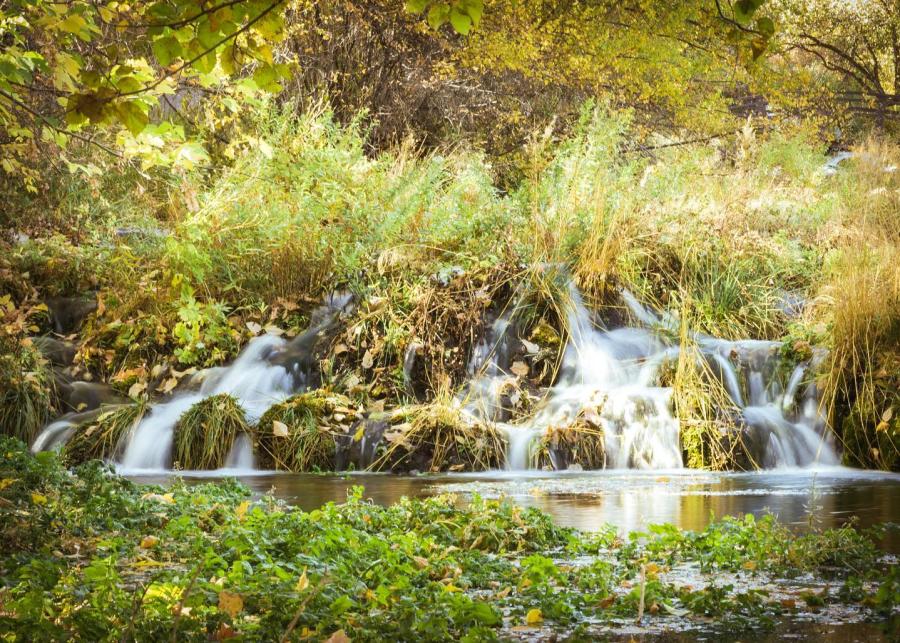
269	370
608	377
612	374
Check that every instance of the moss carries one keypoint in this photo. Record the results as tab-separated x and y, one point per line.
206	432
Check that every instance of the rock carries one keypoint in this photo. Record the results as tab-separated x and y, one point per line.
86	396
68	313
58	352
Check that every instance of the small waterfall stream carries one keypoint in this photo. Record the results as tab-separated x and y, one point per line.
613	375
609	377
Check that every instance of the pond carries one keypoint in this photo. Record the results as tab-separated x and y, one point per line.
628	499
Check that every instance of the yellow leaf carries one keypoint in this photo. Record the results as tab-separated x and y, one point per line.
230	603
534	616
750	565
149	542
338	637
303	583
242	508
360	432
5	482
38	498
165	498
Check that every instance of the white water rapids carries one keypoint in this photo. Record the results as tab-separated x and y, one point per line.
612	374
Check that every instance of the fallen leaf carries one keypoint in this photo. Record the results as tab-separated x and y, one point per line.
367	360
279	429
338	637
149	542
230	603
421	563
38	498
137	388
360	432
534	617
519	368
164	498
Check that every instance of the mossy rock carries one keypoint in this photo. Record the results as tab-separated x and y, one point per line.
299	433
205	433
27	390
103	437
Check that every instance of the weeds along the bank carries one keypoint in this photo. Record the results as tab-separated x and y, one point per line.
87	555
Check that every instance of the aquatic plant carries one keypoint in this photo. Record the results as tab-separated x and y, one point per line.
205	433
211	561
104	436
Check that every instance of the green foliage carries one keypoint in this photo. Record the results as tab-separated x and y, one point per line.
206	560
203	335
108	65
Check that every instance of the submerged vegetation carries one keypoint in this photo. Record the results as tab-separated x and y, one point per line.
210	561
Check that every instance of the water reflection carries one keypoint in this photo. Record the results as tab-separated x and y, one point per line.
627	499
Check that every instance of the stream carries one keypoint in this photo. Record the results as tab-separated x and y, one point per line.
627	499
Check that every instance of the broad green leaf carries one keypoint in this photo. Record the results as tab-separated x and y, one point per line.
461	22
438	15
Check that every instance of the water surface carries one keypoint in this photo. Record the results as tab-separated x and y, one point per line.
628	499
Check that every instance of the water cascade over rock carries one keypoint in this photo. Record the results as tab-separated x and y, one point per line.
609	385
611	379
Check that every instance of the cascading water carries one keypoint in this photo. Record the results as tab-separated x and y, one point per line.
613	375
269	370
610	377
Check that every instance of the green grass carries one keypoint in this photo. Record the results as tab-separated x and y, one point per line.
26	389
311	422
105	436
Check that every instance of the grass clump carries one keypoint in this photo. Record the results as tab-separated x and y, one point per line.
439	437
104	437
299	433
26	389
710	437
206	432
